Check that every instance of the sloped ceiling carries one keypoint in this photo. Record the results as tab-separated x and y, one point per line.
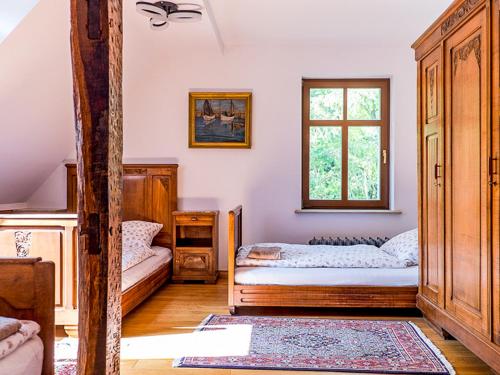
325	22
36	108
36	117
11	13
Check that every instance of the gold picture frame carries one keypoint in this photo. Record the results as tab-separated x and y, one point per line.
220	119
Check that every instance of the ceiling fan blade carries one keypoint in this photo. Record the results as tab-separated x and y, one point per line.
158	24
150	10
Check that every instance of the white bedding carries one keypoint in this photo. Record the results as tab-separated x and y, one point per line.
327	276
26	359
27	330
148	266
319	256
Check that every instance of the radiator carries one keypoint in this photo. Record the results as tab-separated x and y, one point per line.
348	241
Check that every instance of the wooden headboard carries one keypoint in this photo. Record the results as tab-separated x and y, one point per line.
27	292
149	194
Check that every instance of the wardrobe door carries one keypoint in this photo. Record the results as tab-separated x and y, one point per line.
432	192
494	170
467	190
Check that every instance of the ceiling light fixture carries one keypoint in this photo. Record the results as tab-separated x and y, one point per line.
161	13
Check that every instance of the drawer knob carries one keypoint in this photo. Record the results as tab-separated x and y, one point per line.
194	218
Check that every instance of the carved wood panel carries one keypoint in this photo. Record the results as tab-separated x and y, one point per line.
431	86
467	226
193	262
458	15
47	244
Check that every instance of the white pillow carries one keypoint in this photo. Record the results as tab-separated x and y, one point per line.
137	237
404	246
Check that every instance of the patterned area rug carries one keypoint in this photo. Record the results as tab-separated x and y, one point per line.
363	346
65	367
65	356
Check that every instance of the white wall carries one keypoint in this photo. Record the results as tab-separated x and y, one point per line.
52	193
267	178
13	206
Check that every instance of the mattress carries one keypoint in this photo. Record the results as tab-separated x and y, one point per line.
27	359
327	276
147	267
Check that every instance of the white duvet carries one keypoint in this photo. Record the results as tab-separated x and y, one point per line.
318	256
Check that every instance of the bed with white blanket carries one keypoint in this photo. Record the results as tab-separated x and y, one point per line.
322	275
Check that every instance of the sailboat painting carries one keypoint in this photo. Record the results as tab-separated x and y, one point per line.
220	119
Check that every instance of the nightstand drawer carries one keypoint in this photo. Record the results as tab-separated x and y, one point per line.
193	261
194	220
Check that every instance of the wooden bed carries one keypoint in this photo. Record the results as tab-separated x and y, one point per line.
306	296
27	292
149	194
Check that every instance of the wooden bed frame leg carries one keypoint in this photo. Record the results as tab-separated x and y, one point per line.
233	310
234	243
440	330
446	335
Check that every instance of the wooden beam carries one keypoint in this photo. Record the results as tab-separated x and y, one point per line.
96	43
215	26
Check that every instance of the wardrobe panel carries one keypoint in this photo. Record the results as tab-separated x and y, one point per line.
467	189
494	177
432	239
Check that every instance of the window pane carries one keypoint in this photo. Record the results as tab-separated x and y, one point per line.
363	104
326	104
325	163
364	162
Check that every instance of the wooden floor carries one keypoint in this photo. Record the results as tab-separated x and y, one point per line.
184	305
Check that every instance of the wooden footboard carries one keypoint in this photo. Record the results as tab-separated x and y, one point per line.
135	295
325	296
234	243
27	292
306	296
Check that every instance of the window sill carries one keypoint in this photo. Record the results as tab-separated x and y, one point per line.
347	211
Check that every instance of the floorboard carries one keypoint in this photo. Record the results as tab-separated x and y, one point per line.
177	308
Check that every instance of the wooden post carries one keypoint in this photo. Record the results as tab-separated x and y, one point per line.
96	43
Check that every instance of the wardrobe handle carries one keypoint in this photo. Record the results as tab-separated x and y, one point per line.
493	171
437	171
437	174
493	166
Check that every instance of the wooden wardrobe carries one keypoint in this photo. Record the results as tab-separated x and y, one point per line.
458	143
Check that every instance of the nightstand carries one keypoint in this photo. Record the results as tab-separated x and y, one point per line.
195	246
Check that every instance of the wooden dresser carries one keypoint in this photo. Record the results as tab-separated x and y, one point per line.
196	245
458	142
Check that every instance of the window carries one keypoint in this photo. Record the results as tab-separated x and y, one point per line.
345	144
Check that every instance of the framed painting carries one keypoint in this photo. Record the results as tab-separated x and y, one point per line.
220	119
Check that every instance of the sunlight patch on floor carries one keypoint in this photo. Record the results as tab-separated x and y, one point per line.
214	341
